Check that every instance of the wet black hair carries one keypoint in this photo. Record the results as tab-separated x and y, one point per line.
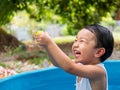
104	39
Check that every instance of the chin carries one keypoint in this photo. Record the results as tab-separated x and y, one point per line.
77	61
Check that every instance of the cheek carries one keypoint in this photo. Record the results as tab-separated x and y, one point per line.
72	48
87	51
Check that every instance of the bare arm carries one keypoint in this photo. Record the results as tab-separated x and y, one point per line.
51	58
63	61
68	65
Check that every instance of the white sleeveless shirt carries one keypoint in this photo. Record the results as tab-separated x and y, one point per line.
84	83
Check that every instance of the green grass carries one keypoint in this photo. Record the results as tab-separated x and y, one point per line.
67	39
64	39
4	65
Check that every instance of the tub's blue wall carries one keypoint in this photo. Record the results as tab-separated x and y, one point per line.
113	70
55	79
47	79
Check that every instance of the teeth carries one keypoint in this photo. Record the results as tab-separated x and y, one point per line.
77	52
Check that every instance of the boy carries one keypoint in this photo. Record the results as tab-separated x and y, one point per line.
93	45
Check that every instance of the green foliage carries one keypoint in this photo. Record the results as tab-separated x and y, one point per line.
38	61
7	9
108	20
18	49
64	31
4	65
74	13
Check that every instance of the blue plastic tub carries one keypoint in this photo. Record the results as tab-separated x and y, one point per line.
56	79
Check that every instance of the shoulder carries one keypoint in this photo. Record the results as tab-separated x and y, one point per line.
98	71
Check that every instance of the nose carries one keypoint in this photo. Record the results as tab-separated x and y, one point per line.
75	44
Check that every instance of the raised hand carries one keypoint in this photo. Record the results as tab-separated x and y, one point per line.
42	38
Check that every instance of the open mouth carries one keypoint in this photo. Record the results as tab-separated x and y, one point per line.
77	53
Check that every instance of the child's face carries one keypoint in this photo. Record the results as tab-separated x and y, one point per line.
84	47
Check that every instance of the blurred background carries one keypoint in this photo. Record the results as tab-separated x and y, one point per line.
62	19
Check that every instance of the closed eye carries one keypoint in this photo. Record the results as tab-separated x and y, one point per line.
82	40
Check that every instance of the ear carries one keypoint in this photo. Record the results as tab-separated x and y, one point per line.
99	52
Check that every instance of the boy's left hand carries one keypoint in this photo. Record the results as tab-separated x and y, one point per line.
42	38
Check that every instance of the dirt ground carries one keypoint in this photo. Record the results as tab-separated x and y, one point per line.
20	66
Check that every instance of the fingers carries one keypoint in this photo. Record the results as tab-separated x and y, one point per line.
38	40
38	32
42	38
37	35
